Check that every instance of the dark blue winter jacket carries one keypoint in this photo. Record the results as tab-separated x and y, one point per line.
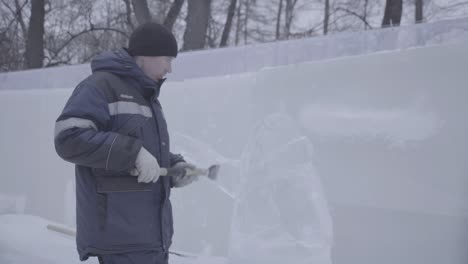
108	118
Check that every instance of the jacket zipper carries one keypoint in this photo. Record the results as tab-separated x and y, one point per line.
162	184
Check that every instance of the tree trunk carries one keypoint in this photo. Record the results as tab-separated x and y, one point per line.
419	11
238	22
19	17
326	17
35	42
141	10
246	20
278	19
173	13
228	25
366	4
128	13
393	12
289	14
199	13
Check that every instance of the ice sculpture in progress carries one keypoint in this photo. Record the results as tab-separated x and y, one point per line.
280	213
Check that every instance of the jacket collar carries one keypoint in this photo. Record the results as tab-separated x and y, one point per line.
120	63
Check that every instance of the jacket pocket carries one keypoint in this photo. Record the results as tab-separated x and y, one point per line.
107	182
129	220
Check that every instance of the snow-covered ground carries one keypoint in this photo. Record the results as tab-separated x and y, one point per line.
349	160
26	239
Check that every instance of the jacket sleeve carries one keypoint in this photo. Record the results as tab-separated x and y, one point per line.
174	159
81	135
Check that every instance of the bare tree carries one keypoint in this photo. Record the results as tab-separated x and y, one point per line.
262	21
19	15
278	20
35	41
128	14
199	13
78	36
393	12
228	25
246	19
11	57
362	17
366	6
142	11
326	17
173	13
79	29
13	31
238	22
289	15
418	12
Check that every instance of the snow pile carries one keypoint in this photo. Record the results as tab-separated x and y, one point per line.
12	204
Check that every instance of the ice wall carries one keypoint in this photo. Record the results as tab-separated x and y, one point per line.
388	138
250	58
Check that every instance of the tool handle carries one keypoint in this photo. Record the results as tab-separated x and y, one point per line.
180	172
172	172
61	229
163	172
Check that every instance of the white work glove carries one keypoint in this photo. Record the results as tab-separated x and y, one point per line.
192	174
146	167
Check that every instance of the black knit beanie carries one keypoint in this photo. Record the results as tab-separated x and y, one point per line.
152	39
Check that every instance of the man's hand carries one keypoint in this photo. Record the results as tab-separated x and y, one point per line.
146	167
191	175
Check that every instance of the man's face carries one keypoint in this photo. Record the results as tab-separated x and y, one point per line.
156	67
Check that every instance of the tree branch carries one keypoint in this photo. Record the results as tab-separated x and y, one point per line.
19	16
173	13
350	12
91	29
128	9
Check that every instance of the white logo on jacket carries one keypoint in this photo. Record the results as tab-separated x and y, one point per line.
126	96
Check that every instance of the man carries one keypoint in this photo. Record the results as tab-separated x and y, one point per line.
114	130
